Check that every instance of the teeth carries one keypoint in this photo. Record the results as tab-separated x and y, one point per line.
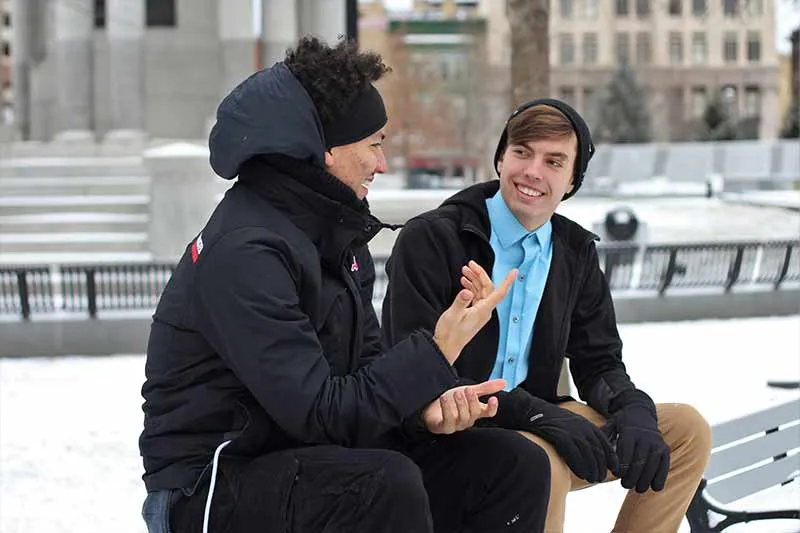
528	191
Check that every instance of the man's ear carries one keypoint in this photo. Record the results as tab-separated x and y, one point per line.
328	158
500	165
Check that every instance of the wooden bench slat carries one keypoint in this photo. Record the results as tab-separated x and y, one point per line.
754	451
745	426
755	480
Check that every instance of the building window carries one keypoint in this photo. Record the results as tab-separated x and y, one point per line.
675	8
730	8
623	48
699	8
567	49
6	48
160	13
622	8
730	97
642	8
7	20
675	48
699	48
589	105
566	9
730	47
99	14
753	47
590	9
643	48
698	101
589	48
567	94
752	101
754	8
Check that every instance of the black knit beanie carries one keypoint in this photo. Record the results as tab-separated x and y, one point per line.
365	115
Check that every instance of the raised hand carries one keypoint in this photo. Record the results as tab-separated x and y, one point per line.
459	408
470	311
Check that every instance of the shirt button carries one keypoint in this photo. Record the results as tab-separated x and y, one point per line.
510	360
515	319
522	277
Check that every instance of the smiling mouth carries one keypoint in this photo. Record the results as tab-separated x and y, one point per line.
527	191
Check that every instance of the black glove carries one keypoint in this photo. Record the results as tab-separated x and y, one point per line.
582	445
643	454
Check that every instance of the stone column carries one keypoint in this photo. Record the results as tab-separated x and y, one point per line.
327	19
237	42
183	194
125	31
279	29
73	21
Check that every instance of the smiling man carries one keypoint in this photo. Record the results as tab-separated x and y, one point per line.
559	306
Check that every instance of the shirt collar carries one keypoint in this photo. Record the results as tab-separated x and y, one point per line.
508	229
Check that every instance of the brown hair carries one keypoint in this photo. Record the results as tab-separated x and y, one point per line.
537	123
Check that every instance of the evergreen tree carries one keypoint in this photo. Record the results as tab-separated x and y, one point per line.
791	122
718	125
623	116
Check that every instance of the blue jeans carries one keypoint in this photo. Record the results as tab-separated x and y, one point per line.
155	511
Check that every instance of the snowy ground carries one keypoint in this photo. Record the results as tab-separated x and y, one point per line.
68	427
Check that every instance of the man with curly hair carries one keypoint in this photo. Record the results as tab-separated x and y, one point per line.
270	404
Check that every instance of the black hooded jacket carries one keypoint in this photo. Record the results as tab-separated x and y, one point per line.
266	333
575	318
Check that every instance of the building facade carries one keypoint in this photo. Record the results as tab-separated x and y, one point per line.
681	50
113	68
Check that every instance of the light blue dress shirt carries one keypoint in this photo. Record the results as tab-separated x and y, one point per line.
530	252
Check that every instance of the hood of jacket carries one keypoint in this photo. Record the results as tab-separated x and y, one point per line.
268	113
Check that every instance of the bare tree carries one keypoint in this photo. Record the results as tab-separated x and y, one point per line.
530	49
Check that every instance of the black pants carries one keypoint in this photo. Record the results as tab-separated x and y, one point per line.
479	480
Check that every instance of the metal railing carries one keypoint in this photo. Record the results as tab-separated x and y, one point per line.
37	290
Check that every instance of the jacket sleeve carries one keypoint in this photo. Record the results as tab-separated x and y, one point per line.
419	283
372	347
248	309
594	347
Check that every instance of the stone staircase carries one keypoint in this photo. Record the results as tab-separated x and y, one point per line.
73	209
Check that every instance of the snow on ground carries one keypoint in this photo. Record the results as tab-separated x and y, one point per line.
69	460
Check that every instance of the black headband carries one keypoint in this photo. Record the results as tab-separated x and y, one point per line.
585	147
365	115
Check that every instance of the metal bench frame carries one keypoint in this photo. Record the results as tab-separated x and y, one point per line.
763	439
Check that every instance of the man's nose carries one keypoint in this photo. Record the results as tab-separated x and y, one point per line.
382	167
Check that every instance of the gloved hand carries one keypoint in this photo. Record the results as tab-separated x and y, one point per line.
643	454
582	445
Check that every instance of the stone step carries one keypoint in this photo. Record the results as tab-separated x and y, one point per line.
72	242
73	258
73	222
130	203
73	166
74	185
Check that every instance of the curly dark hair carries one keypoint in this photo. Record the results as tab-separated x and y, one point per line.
333	76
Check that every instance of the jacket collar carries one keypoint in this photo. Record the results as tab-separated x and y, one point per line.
474	216
315	201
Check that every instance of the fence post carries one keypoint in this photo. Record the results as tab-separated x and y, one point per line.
91	293
733	273
673	255
785	267
24	297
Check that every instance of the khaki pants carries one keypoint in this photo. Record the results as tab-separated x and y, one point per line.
688	436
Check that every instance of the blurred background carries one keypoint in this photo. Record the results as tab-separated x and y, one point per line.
105	110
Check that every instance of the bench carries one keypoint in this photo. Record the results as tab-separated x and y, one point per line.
749	454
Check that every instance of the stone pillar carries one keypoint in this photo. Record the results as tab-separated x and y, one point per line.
125	31
73	21
21	47
327	19
237	42
771	118
279	29
183	194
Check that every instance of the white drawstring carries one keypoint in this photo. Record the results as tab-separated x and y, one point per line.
211	486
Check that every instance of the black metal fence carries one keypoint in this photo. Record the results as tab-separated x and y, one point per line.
36	290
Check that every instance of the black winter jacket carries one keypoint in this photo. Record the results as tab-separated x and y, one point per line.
266	333
575	318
